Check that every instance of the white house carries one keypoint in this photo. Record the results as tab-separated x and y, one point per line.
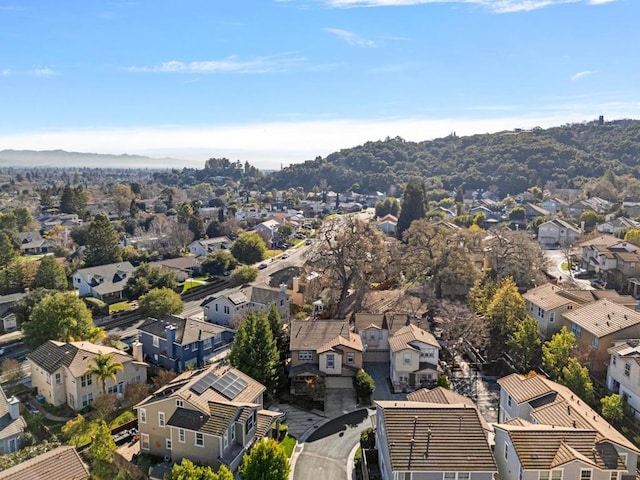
623	373
12	425
226	309
414	358
388	224
105	282
203	247
270	228
557	232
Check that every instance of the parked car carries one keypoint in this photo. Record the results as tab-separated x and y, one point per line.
1	350
285	256
262	266
598	283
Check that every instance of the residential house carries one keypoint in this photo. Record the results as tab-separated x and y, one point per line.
105	282
631	206
9	320
627	267
414	358
447	213
325	348
548	302
182	267
32	243
532	211
59	372
376	328
597	255
250	212
203	247
270	229
489	213
305	289
228	308
597	325
557	232
614	226
432	441
210	416
526	451
388	224
554	205
12	425
61	463
526	400
177	343
623	374
595	204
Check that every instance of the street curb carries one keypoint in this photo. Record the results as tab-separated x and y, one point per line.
350	460
307	433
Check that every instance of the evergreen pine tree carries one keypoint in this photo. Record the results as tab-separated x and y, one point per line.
413	205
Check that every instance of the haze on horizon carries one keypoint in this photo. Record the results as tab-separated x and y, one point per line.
283	81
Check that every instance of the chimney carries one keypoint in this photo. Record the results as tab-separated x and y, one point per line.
170	334
136	346
14	408
283	287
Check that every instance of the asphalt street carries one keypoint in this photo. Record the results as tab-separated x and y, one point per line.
325	454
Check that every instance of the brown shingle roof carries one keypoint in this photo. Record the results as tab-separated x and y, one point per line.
522	389
312	334
603	317
443	396
404	337
428	437
354	342
543	447
547	297
62	463
602	240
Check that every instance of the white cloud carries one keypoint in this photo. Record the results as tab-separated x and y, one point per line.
294	140
269	64
45	72
496	6
351	38
5	73
583	74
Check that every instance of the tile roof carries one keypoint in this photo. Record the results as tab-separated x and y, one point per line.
568	410
312	334
265	419
588	296
547	297
523	389
394	321
264	296
434	437
544	447
354	341
76	356
602	240
443	396
62	463
405	337
603	317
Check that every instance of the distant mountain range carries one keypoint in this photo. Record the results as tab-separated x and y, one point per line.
64	159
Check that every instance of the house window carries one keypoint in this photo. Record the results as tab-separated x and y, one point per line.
586	474
86	380
614	476
181	435
206	344
143	415
506	451
576	329
330	360
72	400
556	474
49	378
144	438
305	355
351	357
226	310
156	341
199	439
179	403
216	307
449	476
627	370
463	475
58	378
407	359
614	360
112	389
552	317
194	346
509	400
540	312
167	443
87	399
161	419
623	457
225	440
233	433
594	341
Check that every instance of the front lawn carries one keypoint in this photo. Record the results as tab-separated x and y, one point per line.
189	284
288	443
120	307
123	418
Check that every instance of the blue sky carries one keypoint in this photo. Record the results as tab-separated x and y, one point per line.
282	81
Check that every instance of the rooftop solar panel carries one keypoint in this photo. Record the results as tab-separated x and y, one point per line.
229	385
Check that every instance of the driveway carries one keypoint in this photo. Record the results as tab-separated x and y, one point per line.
379	371
338	401
325	454
299	421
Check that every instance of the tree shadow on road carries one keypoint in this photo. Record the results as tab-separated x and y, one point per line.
339	424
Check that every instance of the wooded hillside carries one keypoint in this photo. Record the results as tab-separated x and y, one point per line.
569	155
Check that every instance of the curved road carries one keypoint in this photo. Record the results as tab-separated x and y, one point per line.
325	453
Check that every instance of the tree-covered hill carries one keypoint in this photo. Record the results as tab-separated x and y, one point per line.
569	155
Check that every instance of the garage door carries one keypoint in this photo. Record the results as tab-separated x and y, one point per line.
338	382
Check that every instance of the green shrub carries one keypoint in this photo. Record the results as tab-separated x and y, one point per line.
97	306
